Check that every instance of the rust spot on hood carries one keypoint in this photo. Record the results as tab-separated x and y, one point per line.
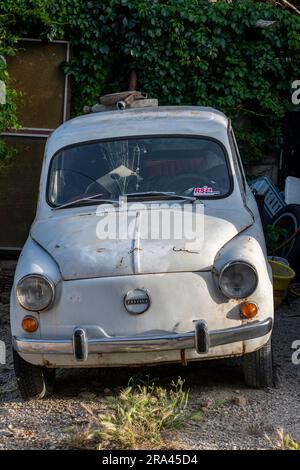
134	249
184	250
119	264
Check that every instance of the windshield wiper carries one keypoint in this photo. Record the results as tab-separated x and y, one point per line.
159	195
96	198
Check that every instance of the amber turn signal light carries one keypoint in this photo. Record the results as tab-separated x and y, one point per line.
30	324
249	309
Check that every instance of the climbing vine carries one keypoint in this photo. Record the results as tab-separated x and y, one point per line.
184	52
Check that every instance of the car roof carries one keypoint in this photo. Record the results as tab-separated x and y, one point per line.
159	120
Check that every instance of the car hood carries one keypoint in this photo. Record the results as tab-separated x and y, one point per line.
72	239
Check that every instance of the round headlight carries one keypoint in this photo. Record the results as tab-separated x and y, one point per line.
35	292
238	280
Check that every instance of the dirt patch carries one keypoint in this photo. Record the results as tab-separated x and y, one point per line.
226	414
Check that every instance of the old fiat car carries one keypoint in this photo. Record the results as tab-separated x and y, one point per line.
109	276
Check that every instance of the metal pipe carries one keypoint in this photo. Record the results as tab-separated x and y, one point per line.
121	105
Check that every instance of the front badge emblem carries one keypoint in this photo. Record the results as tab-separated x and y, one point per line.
137	301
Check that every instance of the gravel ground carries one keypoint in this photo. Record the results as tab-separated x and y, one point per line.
229	415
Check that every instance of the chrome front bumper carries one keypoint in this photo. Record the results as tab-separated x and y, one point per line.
201	339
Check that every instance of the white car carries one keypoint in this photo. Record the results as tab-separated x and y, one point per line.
147	248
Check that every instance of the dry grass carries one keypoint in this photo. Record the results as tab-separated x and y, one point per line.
141	417
284	442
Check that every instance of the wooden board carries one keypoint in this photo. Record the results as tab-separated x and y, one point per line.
36	73
19	183
43	104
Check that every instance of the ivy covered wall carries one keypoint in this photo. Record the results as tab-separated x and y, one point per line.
184	52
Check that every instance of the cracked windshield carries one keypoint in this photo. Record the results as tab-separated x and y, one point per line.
139	167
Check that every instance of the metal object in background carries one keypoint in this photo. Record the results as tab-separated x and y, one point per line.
292	190
273	200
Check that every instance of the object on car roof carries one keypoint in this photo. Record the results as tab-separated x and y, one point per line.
121	101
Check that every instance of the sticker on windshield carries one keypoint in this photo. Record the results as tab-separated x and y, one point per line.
206	191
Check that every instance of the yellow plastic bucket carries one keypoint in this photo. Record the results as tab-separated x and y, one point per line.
282	276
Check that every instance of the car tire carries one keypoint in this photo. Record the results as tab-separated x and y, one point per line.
33	381
258	367
289	218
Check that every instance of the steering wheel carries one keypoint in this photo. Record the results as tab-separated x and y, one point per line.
98	188
94	182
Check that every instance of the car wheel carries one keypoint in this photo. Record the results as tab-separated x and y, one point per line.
258	367
288	218
33	381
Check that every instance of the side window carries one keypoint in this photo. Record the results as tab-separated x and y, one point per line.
237	161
